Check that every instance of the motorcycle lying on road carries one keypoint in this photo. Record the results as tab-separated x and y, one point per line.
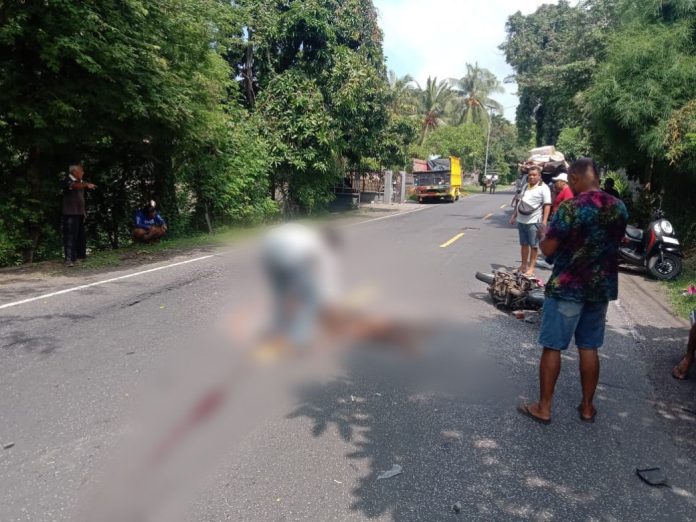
656	249
512	290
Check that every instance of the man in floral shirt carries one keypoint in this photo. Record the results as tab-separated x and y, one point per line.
583	238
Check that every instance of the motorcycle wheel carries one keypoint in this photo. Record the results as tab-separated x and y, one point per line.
485	278
665	269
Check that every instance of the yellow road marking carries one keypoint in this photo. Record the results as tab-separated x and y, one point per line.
487	216
503	206
455	238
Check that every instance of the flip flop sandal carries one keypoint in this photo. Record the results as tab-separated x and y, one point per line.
674	376
589	420
524	410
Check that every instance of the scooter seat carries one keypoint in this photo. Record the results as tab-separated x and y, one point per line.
634	233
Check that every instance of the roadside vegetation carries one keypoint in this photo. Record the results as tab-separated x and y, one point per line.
614	79
225	113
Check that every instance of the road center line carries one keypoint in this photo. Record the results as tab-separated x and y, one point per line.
487	216
455	238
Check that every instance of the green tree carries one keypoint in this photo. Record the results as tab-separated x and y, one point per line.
473	92
466	141
301	140
649	74
434	103
574	142
402	94
84	78
555	52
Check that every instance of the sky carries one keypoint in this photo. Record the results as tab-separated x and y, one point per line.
438	37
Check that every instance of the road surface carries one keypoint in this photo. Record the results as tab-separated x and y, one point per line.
72	365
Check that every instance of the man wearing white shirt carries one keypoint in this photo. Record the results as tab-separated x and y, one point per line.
531	215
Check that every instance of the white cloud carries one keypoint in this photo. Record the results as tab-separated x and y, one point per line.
438	37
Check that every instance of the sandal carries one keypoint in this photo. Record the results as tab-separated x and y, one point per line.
524	410
589	420
684	375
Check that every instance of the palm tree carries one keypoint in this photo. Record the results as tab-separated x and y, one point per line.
473	93
433	105
402	89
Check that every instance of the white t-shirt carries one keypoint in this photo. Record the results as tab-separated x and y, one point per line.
294	245
537	196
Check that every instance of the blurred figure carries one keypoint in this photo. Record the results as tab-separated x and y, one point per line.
681	370
301	268
301	264
609	188
74	238
148	226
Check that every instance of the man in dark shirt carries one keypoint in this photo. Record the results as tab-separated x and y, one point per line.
74	239
584	238
609	188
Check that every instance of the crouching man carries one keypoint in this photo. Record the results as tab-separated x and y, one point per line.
149	226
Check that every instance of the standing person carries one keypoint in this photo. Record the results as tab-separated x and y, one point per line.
74	239
530	214
609	188
148	226
563	191
584	237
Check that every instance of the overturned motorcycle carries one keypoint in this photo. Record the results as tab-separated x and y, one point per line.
513	291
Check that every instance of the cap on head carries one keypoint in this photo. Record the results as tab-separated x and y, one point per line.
561	177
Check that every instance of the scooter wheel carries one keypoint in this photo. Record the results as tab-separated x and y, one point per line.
665	267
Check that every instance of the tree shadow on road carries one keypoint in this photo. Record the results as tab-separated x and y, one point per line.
448	418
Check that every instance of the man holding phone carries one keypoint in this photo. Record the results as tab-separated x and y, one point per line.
74	238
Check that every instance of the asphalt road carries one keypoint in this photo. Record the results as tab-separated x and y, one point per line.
308	440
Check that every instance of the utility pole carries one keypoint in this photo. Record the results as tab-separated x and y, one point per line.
488	142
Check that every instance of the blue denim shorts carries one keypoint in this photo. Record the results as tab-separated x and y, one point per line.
529	234
562	319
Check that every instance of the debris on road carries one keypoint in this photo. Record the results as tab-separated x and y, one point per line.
529	316
653	476
393	472
337	481
352	398
8	445
457	507
378	394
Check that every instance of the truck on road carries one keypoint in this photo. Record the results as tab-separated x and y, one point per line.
438	179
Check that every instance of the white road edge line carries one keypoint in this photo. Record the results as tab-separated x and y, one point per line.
103	282
171	265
